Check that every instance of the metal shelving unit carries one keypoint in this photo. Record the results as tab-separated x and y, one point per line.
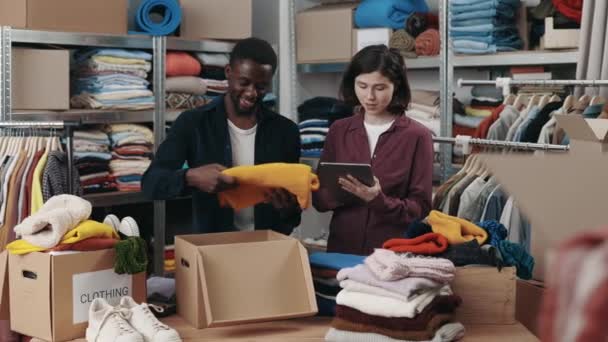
412	63
158	46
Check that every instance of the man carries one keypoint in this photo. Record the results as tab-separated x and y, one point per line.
234	129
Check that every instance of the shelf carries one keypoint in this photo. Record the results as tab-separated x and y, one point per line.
117	198
86	116
81	39
109	199
175	43
412	63
116	41
517	58
467	61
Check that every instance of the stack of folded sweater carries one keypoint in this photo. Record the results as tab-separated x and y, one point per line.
325	267
111	79
92	159
484	26
185	89
484	100
424	108
396	296
213	72
131	154
315	117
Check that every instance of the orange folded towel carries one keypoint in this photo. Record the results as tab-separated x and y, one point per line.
428	43
254	181
182	64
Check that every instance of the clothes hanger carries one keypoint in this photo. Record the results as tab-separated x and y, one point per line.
519	102
543	101
568	104
554	98
509	100
597	100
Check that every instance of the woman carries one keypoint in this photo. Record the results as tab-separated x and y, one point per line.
399	149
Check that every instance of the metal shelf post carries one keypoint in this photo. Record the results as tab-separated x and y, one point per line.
160	51
5	72
446	72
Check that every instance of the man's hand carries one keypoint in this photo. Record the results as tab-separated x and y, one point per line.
209	178
282	199
366	193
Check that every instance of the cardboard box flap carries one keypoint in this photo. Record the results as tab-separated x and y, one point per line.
579	128
4	295
251	292
232	237
31	274
558	207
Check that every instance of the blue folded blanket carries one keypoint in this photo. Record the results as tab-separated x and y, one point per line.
387	13
335	261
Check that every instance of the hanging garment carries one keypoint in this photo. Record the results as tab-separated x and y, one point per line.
37	199
55	177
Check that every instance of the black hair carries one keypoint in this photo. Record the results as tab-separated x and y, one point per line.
390	64
255	49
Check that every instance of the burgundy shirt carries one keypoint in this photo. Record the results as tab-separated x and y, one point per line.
402	161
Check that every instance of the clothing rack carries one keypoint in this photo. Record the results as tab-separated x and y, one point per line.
465	141
68	128
506	82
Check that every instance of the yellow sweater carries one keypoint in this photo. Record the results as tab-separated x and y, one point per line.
85	230
255	181
37	200
455	229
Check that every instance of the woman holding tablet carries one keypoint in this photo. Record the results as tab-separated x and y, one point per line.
399	150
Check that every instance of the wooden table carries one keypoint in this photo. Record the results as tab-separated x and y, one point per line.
313	329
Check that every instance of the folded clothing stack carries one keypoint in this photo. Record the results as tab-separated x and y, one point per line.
111	79
92	159
185	89
325	267
131	155
315	117
396	296
484	26
387	13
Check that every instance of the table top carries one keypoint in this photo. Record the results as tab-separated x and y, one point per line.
314	328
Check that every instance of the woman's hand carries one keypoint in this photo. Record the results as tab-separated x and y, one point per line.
364	192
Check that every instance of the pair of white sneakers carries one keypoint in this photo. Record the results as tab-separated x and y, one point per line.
128	226
127	322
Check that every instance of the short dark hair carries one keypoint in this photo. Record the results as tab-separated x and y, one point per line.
255	49
390	64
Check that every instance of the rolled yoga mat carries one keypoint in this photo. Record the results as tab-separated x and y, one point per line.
168	11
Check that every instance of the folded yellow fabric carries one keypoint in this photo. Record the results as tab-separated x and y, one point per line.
254	181
455	229
85	230
119	60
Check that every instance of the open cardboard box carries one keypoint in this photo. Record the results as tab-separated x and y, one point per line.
563	194
50	294
241	277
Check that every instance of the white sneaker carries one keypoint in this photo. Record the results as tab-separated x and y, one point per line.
110	324
112	221
129	227
147	324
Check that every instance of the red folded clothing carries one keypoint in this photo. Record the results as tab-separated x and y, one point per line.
427	244
92	244
324	273
428	43
572	9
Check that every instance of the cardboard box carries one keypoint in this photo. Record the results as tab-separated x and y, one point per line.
488	296
93	16
50	294
40	79
562	194
529	300
4	296
241	277
371	36
216	19
325	34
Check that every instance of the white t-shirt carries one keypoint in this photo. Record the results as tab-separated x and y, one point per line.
374	132
243	153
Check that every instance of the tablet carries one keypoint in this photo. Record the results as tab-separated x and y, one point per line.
329	173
